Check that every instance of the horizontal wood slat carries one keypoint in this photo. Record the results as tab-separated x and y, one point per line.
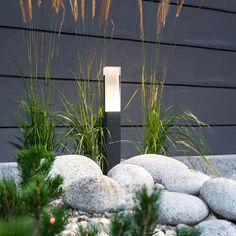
211	105
192	27
178	65
215	138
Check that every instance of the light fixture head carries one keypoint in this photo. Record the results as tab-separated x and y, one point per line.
112	88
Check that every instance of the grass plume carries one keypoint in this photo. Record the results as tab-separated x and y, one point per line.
82	9
30	10
140	3
22	10
93	8
56	5
162	13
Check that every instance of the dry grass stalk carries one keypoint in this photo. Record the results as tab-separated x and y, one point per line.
93	8
154	92
140	3
179	7
75	9
162	13
82	9
101	14
104	12
22	10
107	10
56	4
30	9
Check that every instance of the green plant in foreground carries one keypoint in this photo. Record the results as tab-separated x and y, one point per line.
20	226
163	130
48	226
37	125
32	197
9	198
187	231
34	161
142	220
85	125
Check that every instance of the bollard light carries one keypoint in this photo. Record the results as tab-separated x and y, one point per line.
112	99
112	88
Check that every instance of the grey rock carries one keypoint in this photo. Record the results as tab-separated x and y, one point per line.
74	227
220	196
9	170
216	228
68	233
232	176
103	224
181	226
74	167
188	182
157	165
131	178
211	216
223	165
159	187
180	208
95	195
170	233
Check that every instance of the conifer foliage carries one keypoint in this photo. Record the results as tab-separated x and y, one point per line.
142	220
24	207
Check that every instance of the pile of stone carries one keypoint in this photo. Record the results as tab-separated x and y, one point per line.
188	197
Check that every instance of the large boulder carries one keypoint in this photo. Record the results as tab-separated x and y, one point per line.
9	170
220	196
97	194
160	167
216	227
180	208
132	178
189	182
74	167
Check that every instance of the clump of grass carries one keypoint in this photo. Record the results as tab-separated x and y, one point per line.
37	119
85	125
37	125
9	198
17	226
165	130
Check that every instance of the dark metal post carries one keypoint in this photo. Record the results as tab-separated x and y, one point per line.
112	117
112	140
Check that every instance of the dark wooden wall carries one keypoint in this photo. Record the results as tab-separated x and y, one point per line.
200	69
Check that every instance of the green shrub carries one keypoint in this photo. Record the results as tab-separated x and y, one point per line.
48	226
9	198
22	226
142	220
35	160
145	213
187	231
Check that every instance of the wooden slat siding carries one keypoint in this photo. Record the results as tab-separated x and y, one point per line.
191	66
200	75
229	5
216	103
7	151
203	30
219	139
215	137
